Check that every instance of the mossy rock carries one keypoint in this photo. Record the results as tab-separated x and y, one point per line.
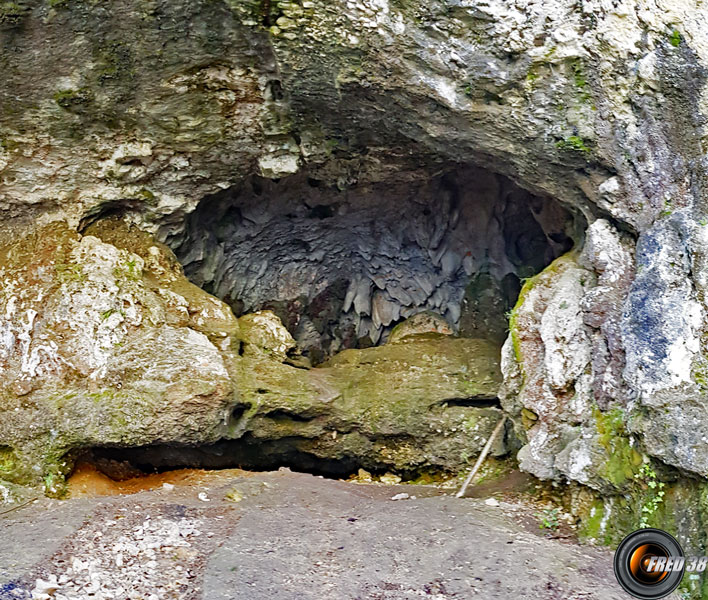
425	403
264	331
423	322
107	358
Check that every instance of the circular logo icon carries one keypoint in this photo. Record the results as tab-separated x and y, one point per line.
649	564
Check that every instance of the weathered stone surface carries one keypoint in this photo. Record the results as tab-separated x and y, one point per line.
425	403
599	105
424	322
105	344
264	331
111	107
570	429
545	362
588	420
611	256
435	392
100	348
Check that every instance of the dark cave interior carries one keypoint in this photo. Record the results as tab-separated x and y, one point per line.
342	267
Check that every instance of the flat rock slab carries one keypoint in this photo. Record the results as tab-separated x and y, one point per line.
284	535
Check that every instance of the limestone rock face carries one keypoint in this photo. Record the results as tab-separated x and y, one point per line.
424	322
599	105
545	364
561	365
104	346
663	331
158	111
425	403
264	330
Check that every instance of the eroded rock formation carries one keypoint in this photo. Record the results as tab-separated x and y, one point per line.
106	344
170	114
341	265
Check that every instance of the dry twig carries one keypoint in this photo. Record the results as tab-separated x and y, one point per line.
482	456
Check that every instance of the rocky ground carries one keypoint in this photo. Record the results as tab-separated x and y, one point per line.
344	164
283	535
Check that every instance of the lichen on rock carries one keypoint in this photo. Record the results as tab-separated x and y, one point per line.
347	166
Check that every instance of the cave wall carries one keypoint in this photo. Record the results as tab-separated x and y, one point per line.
601	106
338	266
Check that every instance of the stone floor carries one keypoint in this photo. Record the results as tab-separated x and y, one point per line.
286	536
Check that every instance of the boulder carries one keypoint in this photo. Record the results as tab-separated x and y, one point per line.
102	346
424	322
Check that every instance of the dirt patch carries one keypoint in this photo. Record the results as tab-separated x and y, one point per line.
89	481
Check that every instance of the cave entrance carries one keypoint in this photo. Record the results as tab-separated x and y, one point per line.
342	267
120	463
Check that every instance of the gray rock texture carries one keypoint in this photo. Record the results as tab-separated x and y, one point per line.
292	536
160	112
599	106
339	266
107	346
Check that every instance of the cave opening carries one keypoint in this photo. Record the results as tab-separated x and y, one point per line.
341	267
123	463
443	250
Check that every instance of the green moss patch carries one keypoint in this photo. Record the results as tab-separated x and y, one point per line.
8	463
624	461
73	100
574	143
12	13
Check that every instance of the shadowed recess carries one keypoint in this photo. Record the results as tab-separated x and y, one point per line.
342	267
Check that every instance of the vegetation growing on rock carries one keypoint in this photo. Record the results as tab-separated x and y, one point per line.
109	109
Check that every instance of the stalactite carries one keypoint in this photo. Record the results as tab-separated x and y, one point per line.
399	249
